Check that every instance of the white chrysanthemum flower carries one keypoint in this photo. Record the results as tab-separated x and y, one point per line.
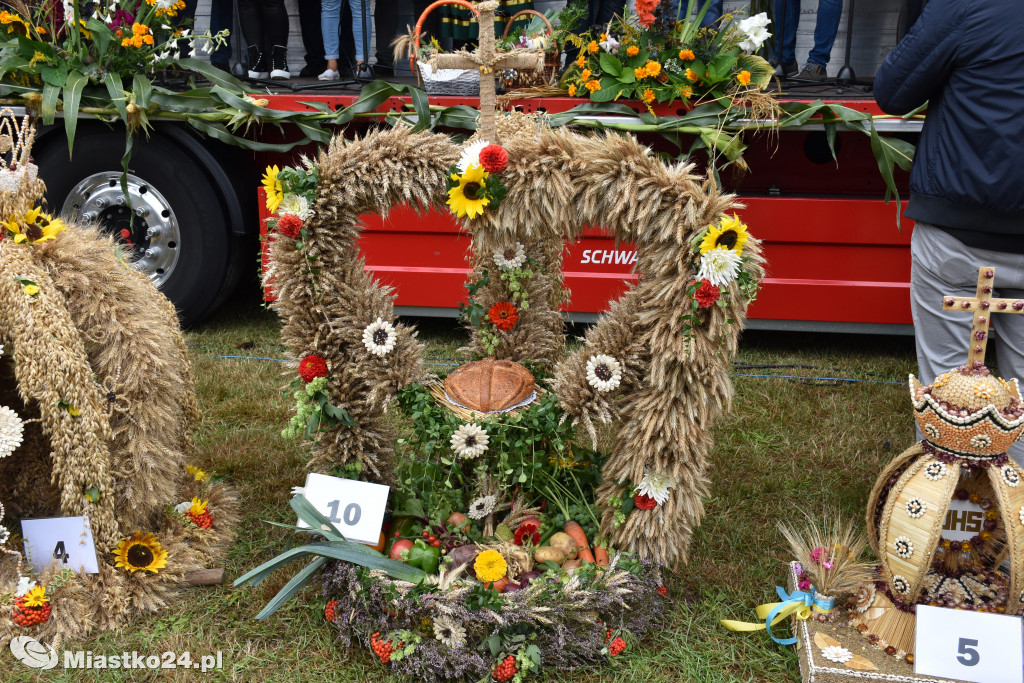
24	586
481	507
12	430
182	508
755	31
471	155
508	258
4	535
449	631
720	266
379	337
470	441
656	486
295	204
298	491
836	653
604	373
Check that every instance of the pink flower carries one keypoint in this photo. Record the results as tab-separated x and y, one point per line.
828	564
804	585
817	553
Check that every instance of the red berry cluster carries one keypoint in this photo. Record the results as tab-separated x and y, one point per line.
203	521
382	648
662	590
330	610
616	647
311	367
506	670
30	616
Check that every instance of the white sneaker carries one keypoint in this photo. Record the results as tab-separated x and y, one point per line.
329	75
280	74
258	75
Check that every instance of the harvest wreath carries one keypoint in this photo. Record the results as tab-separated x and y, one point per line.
510	544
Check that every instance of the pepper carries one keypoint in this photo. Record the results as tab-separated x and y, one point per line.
424	556
401	527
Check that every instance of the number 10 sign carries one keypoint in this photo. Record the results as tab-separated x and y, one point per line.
968	646
355	508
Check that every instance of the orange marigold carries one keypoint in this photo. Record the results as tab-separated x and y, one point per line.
572	90
585	75
640	72
593	86
687	55
691	74
593	47
632	51
653	68
581	61
743	77
647	96
685	91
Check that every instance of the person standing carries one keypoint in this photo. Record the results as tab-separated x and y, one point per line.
362	28
265	28
312	38
385	16
222	17
826	27
962	58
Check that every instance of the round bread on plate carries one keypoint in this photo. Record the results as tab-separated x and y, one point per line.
489	385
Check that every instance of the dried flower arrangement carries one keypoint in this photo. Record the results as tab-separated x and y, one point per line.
829	554
100	411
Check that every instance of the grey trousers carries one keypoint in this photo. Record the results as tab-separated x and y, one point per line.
942	265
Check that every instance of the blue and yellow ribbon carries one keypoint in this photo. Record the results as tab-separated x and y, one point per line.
800	604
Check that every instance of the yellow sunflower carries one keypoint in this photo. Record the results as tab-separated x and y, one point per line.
729	233
465	198
274	189
34	226
141	552
36	597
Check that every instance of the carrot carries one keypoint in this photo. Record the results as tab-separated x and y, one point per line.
601	553
576	531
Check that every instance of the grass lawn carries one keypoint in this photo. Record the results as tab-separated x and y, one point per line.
788	443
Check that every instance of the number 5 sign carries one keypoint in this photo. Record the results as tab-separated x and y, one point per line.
969	646
356	508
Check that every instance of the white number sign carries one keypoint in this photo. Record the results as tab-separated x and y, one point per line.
64	540
969	646
356	508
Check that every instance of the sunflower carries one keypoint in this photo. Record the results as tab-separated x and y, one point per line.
34	226
729	233
273	188
468	198
141	552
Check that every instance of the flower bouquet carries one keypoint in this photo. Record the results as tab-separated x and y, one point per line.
653	57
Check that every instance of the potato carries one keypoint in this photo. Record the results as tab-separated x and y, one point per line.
572	565
566	544
546	553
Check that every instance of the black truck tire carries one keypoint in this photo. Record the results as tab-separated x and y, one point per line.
180	226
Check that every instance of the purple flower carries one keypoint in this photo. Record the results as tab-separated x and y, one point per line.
121	19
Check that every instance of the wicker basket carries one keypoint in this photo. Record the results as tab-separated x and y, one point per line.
514	79
462	82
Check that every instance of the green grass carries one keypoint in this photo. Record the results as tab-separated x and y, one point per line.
787	444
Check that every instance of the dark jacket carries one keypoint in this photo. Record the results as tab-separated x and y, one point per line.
966	59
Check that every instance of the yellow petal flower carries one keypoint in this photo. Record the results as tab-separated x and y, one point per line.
36	597
730	233
31	290
141	552
465	198
273	188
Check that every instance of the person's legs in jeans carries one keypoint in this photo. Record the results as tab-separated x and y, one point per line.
826	26
359	17
787	12
330	11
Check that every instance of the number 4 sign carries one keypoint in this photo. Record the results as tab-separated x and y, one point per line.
969	646
356	508
64	540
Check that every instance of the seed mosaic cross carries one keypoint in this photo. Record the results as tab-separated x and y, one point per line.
983	306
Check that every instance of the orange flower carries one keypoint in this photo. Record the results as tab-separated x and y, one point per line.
581	61
648	96
653	68
504	315
687	55
632	51
585	75
685	91
593	86
691	74
640	72
572	90
744	78
593	47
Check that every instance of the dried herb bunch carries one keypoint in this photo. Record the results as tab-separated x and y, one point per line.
830	553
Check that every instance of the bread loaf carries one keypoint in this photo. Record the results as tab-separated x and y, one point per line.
489	385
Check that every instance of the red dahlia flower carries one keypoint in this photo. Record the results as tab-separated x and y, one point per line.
312	367
289	225
644	502
504	315
494	158
707	294
528	530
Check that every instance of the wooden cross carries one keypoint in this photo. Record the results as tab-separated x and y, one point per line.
488	61
983	306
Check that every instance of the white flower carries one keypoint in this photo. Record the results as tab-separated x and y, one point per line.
449	631
508	258
609	44
835	653
470	441
481	507
935	470
904	547
12	430
720	266
165	4
755	31
471	155
379	337
182	508
917	507
604	373
655	486
298	491
24	586
4	535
